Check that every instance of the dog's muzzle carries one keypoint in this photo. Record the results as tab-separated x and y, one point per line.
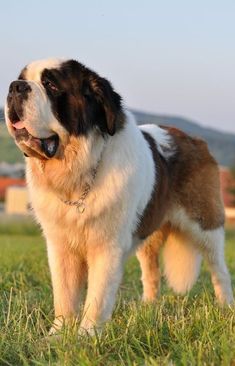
44	147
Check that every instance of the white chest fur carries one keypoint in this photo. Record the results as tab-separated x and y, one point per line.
119	194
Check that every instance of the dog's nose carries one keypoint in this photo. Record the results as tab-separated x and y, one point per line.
19	87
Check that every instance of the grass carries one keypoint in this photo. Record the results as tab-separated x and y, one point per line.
189	330
8	149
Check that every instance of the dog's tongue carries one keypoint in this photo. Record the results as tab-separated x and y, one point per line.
19	125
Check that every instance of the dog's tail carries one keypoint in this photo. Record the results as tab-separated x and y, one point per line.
181	262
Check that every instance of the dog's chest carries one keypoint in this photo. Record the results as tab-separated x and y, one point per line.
57	219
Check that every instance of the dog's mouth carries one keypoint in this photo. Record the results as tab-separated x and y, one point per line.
47	146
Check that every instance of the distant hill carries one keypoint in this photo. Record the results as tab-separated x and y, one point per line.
1	114
222	145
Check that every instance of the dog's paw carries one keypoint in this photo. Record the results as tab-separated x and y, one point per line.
89	328
56	326
224	295
86	332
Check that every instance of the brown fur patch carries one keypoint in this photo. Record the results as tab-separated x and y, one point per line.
189	179
157	206
194	180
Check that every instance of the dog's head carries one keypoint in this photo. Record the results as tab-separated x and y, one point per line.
54	99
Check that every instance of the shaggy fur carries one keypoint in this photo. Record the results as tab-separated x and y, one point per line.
152	186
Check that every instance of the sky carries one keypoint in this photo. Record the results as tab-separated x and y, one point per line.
166	57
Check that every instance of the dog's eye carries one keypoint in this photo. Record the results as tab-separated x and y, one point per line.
87	95
49	85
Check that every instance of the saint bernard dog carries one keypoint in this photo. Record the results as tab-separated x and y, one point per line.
101	187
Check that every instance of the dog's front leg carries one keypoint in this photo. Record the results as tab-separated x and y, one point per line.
105	268
68	272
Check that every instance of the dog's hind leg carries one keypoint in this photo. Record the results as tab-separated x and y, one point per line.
147	255
182	257
182	260
213	252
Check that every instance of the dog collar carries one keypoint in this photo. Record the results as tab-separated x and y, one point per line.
80	204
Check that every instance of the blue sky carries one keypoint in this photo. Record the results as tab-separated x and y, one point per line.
169	57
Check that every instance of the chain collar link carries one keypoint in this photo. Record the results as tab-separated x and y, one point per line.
80	203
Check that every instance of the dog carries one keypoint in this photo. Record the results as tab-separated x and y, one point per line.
101	187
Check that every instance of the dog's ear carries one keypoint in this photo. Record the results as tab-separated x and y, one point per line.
110	102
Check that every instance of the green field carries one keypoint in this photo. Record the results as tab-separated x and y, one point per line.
8	149
190	330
